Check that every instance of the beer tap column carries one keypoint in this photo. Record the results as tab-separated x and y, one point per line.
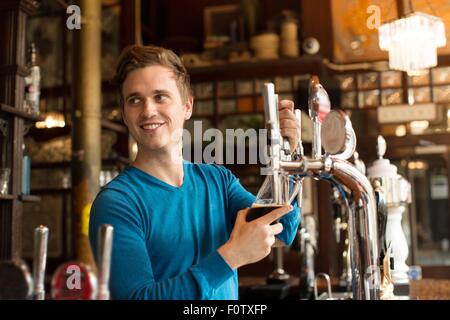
398	194
271	116
339	141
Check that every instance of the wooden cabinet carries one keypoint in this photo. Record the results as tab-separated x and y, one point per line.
14	121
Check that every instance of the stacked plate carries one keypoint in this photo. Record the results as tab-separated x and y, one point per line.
265	45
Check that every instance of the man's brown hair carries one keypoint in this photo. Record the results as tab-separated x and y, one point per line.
136	56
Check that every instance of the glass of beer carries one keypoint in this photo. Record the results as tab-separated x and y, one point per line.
265	203
258	210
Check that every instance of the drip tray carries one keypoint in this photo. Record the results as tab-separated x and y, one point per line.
348	296
335	296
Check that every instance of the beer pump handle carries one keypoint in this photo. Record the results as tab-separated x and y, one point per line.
39	261
298	116
105	237
271	117
285	146
271	110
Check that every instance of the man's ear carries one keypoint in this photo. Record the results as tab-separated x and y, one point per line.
188	106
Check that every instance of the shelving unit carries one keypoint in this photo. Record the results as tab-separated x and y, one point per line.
14	17
30	198
7	197
404	85
51	168
363	92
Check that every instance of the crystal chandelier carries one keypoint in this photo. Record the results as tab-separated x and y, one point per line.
412	41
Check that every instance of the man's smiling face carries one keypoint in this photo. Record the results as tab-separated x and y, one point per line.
153	108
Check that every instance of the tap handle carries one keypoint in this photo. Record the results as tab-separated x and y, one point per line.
319	104
105	237
359	164
270	107
381	147
39	261
285	146
298	116
382	215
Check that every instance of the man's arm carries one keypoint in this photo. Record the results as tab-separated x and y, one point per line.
131	269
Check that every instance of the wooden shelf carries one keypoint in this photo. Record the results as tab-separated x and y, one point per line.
443	84
45	165
29	198
60	190
48	133
419	86
257	69
20	113
8	197
367	107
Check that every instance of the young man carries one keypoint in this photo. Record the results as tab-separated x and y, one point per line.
179	227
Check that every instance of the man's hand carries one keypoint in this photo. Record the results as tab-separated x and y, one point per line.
252	241
288	123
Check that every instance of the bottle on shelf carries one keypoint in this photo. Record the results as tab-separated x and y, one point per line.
32	84
26	172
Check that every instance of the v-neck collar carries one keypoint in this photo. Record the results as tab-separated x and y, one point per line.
158	181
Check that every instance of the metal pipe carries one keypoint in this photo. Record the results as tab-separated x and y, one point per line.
362	221
363	231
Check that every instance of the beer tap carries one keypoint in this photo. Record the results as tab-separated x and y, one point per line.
16	280
39	261
308	248
342	203
282	147
333	130
396	193
105	236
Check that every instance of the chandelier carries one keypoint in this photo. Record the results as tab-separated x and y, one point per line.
412	41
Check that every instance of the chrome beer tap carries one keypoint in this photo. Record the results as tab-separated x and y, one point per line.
334	131
39	261
343	202
341	210
279	275
396	192
308	248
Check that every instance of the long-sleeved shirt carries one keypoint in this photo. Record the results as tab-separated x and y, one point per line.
166	238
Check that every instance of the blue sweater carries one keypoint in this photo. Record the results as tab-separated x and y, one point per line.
166	238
